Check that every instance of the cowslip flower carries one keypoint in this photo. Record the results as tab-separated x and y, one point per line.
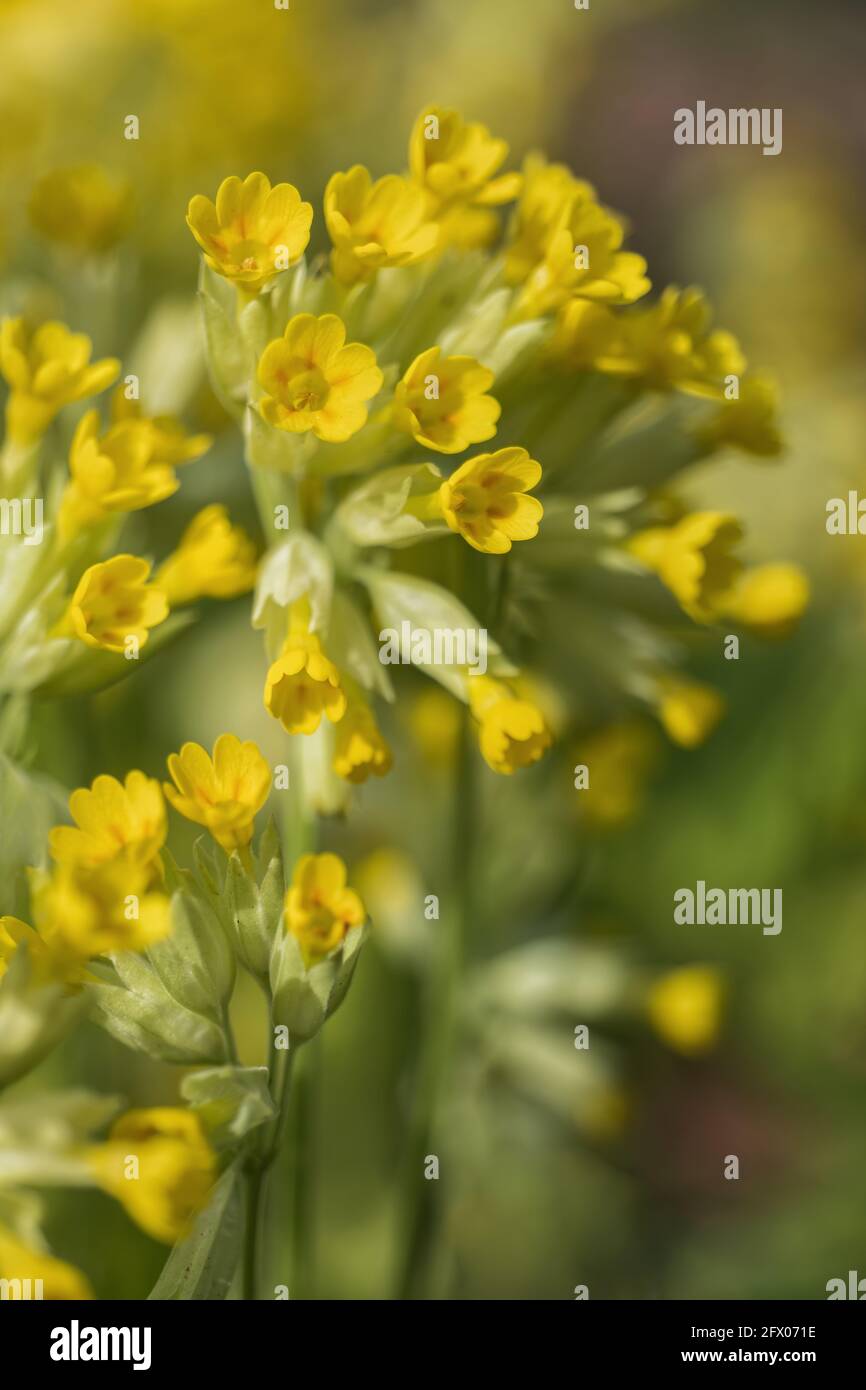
360	749
82	207
224	792
685	1008
485	500
253	231
213	560
768	600
671	345
547	194
693	559
302	684
36	1269
512	732
314	380
81	912
688	710
117	472
619	759
114	604
173	1171
373	225
45	370
13	934
442	402
748	422
319	908
584	258
112	818
457	161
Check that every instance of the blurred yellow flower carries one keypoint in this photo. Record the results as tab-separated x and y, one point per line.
512	732
457	161
23	1267
693	559
769	599
213	560
253	232
302	684
548	192
372	225
619	760
671	345
360	750
685	1007
82	912
688	711
114	603
320	909
82	207
112	818
434	720
223	793
15	933
590	337
315	380
45	370
749	423
485	500
442	402
159	1165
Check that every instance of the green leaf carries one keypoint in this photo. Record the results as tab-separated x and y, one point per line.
202	1265
138	1010
195	962
231	1101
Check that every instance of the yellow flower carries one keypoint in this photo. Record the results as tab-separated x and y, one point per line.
302	684
619	760
159	1165
770	599
30	1273
456	161
688	711
83	912
112	818
485	500
548	192
170	442
223	793
512	732
45	370
671	345
360	750
685	1007
315	380
434	720
693	559
253	232
749	423
590	337
373	225
15	933
320	909
82	207
441	402
214	560
113	603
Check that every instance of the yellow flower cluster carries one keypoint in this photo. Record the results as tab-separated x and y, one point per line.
159	1165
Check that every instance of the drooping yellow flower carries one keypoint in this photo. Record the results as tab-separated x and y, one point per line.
82	207
360	750
485	500
253	232
28	1273
749	422
302	684
170	442
512	732
114	603
618	760
457	161
379	224
693	559
159	1165
320	909
591	337
685	1007
83	912
688	711
223	793
112	818
442	402
314	380
213	560
45	370
769	599
671	345
548	192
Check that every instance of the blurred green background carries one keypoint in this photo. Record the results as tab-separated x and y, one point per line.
545	1188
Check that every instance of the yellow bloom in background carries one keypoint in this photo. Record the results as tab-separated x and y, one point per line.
512	732
302	685
671	345
320	909
457	161
590	337
83	912
546	197
749	423
15	933
112	818
213	560
693	559
45	370
114	473
584	258
82	207
170	442
223	793
373	225
25	1269
360	750
159	1165
442	402
114	603
688	710
769	599
685	1008
485	500
253	231
315	380
434	719
619	760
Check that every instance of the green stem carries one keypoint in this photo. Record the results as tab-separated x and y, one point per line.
302	1152
253	1184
